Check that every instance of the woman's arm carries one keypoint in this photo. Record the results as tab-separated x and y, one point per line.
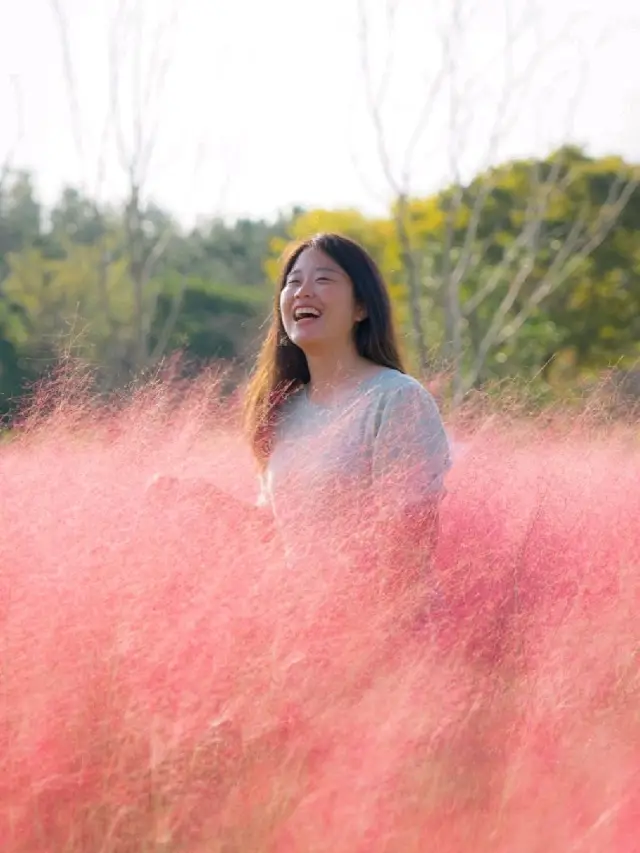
257	518
410	460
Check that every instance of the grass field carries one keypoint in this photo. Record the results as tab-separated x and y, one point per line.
167	685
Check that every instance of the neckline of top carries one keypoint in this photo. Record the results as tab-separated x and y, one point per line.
348	394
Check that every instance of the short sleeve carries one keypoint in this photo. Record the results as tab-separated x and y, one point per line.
411	452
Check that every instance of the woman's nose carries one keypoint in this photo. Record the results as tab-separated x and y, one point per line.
305	287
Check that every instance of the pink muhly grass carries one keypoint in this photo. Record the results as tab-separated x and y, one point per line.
168	684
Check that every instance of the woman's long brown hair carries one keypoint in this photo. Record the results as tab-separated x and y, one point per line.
281	367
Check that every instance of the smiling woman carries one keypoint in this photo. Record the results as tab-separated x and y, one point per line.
339	430
318	306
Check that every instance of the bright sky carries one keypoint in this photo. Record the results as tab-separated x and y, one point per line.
263	103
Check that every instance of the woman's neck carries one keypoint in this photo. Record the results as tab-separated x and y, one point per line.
330	374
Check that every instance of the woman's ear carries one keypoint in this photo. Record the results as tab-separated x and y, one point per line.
361	313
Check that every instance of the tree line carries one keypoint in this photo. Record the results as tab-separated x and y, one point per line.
531	270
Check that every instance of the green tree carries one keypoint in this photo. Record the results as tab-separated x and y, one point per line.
545	231
80	303
540	255
215	322
20	214
77	218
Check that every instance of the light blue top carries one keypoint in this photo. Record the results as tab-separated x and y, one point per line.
384	440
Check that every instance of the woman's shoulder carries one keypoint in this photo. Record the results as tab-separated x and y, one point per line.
401	404
391	387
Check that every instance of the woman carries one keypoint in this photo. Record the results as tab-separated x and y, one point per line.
347	443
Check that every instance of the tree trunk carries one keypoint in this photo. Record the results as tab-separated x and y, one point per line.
452	313
413	284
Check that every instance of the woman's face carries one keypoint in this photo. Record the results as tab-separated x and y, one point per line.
317	304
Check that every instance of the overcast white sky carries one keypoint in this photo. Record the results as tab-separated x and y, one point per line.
263	104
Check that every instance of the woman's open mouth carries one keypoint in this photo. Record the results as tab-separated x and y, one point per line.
305	316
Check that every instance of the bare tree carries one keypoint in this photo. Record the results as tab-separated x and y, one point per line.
135	150
398	183
454	94
8	160
139	59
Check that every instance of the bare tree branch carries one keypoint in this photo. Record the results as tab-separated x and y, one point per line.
529	240
426	111
372	100
70	82
169	324
7	164
581	241
513	89
114	83
132	121
574	251
402	208
148	84
536	207
459	259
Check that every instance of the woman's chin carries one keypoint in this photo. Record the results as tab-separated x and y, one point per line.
307	340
